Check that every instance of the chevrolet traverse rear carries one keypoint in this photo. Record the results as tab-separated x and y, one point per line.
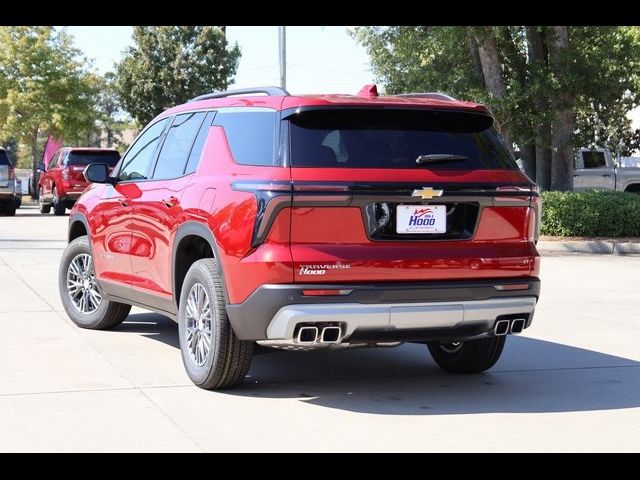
306	222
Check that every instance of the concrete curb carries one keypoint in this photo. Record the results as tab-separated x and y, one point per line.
603	247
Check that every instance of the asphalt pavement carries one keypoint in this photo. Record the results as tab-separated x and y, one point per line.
569	383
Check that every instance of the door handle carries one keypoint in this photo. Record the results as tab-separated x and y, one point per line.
170	202
123	202
606	174
576	174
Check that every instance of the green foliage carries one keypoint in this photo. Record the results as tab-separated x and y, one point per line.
169	65
44	86
602	76
111	118
591	214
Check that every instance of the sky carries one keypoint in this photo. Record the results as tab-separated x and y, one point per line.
319	59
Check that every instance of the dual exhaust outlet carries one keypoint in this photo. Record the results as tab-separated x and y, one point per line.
514	326
309	335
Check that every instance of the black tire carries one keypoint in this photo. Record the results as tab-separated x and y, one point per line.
45	208
10	209
228	359
467	357
108	314
58	207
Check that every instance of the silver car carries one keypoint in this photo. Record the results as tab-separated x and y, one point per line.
10	190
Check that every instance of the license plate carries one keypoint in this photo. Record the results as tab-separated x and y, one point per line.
421	219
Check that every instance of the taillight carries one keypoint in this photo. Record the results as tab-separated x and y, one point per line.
535	218
65	174
12	173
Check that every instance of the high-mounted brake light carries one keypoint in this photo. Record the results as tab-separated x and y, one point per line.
368	90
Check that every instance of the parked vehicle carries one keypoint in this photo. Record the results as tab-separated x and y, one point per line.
305	222
9	199
18	192
60	185
595	169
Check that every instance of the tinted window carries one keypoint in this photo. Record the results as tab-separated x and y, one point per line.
251	135
177	145
4	160
54	160
137	160
593	159
198	145
395	139
85	158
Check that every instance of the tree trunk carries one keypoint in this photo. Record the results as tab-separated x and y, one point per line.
475	56
36	160
490	61
537	60
562	126
492	71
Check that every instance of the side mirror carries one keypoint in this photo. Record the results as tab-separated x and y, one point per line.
41	167
97	173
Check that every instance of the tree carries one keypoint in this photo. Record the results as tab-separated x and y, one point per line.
44	87
169	65
550	88
108	106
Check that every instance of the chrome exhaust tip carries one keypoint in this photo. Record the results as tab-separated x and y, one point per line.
501	328
330	335
307	335
517	326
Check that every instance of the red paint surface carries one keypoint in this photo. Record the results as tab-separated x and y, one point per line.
133	243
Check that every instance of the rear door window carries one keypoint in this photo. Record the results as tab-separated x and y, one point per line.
594	159
393	138
4	159
177	145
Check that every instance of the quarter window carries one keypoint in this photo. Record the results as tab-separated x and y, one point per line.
251	135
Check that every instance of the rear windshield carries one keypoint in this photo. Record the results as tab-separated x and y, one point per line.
4	160
386	138
85	158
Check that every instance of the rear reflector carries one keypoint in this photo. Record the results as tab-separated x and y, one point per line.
317	293
514	286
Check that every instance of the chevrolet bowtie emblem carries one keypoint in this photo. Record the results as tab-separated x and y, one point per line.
426	193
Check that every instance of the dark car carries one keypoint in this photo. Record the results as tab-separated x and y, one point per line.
308	222
60	185
10	198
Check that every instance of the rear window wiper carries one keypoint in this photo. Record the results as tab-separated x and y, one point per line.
438	157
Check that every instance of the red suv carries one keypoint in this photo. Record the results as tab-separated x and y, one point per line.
304	222
60	185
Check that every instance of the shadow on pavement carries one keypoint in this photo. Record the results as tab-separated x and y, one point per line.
532	376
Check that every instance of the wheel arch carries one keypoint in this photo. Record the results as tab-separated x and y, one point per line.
193	241
633	188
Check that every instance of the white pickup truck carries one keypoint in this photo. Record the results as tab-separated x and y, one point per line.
596	170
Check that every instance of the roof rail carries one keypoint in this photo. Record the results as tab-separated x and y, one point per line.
270	91
436	95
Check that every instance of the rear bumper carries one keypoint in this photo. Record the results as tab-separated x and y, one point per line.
69	198
385	312
7	194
